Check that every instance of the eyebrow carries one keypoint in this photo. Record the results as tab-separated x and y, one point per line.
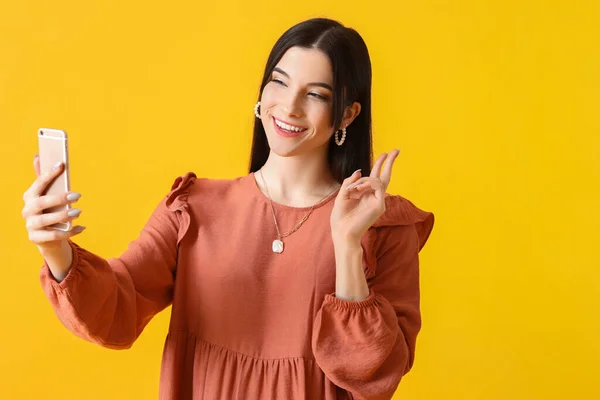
321	84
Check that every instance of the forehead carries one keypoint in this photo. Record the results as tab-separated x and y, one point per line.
306	65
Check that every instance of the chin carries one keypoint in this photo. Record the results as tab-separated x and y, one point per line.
284	149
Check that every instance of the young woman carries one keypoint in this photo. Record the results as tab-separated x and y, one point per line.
299	280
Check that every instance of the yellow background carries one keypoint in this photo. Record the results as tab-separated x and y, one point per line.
494	105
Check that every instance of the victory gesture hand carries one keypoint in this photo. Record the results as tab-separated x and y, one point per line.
360	201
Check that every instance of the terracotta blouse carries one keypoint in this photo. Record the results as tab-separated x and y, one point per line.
247	323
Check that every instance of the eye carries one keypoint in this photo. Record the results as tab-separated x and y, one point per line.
277	81
318	96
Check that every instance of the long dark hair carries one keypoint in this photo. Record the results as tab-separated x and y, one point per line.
351	66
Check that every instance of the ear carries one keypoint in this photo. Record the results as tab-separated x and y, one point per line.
350	113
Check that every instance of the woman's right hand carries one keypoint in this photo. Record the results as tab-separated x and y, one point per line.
48	240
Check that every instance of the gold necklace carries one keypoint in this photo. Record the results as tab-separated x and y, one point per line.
278	243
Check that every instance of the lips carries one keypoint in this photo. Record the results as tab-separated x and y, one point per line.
287	123
283	133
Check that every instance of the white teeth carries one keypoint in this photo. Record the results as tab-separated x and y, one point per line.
287	127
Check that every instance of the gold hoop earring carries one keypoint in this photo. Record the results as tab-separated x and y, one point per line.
337	141
256	110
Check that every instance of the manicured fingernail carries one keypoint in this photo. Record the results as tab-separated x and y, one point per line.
74	212
56	166
73	196
79	229
356	171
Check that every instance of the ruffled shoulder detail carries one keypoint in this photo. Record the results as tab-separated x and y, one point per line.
177	201
398	211
401	211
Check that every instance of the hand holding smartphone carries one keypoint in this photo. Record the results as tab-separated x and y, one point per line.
48	200
53	149
47	210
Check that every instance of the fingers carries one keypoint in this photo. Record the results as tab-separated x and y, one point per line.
41	221
387	169
376	171
388	159
367	183
38	204
38	224
41	237
357	182
43	180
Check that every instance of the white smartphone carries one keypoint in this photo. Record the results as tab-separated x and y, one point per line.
53	147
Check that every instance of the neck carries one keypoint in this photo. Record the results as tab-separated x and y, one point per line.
297	181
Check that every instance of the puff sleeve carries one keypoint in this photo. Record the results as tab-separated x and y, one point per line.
366	347
109	302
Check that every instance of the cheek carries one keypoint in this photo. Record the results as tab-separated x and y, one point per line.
321	117
268	98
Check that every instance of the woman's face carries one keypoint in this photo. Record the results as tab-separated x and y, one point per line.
298	94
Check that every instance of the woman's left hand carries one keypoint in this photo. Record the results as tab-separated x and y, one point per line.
360	201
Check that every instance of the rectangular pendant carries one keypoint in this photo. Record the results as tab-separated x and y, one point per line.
277	246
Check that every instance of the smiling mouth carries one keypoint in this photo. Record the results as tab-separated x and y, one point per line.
288	128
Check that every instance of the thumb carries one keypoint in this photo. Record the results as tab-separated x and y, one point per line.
344	193
350	180
36	165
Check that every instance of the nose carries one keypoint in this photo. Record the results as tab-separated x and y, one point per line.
292	106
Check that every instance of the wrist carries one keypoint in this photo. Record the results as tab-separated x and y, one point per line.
347	248
59	260
54	248
345	240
